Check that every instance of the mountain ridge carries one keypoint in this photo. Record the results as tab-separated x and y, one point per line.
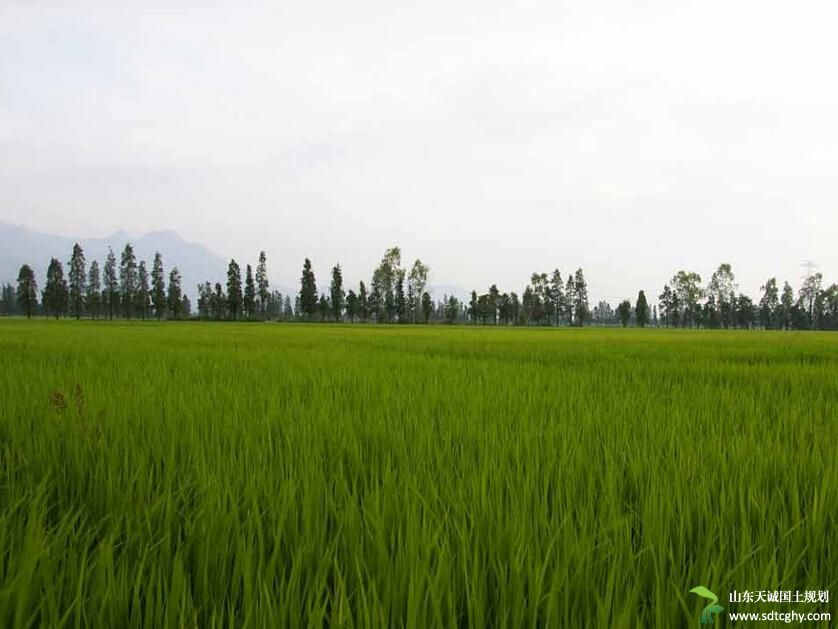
23	245
20	245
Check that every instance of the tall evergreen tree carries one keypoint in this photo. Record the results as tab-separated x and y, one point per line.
641	310
143	292
8	301
308	291
580	294
234	289
427	307
175	296
76	275
557	295
128	279
158	287
351	305
262	283
336	292
624	312
55	293
27	291
219	302
93	297
110	289
570	299
249	302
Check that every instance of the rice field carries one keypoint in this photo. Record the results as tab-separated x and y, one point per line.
278	475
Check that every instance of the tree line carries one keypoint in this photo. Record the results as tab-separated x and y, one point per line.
396	294
546	300
685	302
126	289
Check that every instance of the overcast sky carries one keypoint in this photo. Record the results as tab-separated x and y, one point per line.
491	139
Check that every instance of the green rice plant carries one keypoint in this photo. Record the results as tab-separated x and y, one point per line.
193	475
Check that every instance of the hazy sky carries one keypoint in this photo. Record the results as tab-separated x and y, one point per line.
491	139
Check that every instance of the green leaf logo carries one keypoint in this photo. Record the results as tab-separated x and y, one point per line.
712	608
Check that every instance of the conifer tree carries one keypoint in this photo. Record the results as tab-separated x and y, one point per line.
308	291
76	275
351	305
570	299
219	302
427	307
624	312
55	293
175	295
580	297
641	310
128	279
557	295
110	290
93	296
143	292
158	287
249	294
234	289
262	284
336	292
8	301
27	291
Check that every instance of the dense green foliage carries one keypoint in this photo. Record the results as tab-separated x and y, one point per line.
398	295
189	475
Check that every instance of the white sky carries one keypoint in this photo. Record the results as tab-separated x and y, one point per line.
491	139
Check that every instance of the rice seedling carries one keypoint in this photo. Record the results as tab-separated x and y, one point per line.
188	475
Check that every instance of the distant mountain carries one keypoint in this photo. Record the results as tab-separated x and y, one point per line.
20	245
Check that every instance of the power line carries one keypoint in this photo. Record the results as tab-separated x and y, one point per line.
811	266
